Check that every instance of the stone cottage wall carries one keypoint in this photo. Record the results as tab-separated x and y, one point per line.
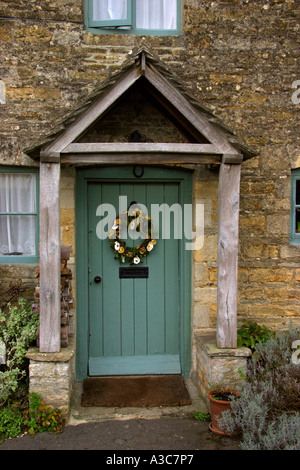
240	58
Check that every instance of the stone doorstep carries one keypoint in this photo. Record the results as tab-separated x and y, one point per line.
50	376
206	339
216	362
79	414
66	396
65	354
214	365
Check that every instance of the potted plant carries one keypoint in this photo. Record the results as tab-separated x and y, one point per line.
220	398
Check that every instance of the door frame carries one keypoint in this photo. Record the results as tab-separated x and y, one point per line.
84	176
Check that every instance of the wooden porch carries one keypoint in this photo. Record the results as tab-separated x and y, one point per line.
214	146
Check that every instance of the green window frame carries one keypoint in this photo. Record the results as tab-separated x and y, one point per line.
295	208
24	259
114	26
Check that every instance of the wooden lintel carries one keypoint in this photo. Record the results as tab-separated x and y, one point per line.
125	148
139	158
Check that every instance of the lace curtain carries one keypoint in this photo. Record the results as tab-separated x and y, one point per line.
109	9
17	213
150	14
156	14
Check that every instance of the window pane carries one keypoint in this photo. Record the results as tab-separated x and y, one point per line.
156	14
298	192
17	234
17	192
109	10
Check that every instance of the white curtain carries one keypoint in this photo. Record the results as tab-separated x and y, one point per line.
156	14
109	10
150	14
17	195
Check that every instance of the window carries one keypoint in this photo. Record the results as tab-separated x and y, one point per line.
295	208
146	17
18	216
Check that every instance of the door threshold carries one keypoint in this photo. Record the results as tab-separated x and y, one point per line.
79	414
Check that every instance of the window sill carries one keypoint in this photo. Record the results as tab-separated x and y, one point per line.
133	32
295	241
19	260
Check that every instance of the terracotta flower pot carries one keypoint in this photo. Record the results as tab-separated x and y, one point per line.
217	406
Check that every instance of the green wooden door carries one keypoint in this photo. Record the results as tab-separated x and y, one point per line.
134	323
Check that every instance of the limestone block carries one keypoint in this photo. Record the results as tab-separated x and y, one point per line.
261	251
206	189
297	162
5	34
205	295
252	220
207	203
270	274
278	224
209	251
24	93
291	252
225	79
33	34
47	93
201	315
67	199
201	272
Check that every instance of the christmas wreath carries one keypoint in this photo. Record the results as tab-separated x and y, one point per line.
134	220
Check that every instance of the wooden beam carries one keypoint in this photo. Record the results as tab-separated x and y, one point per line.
229	197
138	159
140	153
94	112
49	253
234	159
174	115
123	148
49	157
143	64
171	94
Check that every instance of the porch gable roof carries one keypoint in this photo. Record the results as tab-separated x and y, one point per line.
62	145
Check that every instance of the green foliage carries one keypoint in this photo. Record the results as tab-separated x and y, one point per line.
42	417
201	416
267	412
11	421
250	333
29	415
18	330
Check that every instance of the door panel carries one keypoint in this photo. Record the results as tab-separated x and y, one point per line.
134	324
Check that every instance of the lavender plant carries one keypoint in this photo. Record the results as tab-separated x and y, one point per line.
267	413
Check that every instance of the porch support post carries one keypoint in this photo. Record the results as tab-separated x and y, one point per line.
49	253
229	198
